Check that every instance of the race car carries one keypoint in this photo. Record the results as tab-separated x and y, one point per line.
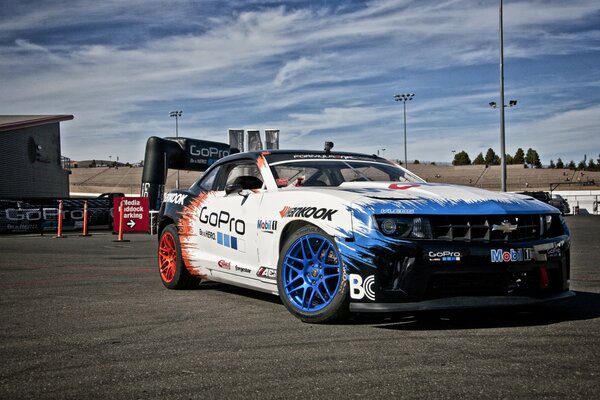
333	233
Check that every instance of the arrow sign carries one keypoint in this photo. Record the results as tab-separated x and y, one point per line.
135	213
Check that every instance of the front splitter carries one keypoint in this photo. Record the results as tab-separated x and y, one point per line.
459	303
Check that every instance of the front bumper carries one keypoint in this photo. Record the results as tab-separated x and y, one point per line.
429	275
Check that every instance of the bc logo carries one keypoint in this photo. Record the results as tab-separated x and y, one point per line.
360	289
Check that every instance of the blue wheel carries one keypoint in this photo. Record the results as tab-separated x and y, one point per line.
311	277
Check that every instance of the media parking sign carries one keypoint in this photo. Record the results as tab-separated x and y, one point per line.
135	214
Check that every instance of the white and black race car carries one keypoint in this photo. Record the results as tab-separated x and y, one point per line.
333	233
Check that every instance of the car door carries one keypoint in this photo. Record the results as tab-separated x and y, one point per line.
230	213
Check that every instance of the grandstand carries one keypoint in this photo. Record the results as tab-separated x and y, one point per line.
518	177
121	180
128	179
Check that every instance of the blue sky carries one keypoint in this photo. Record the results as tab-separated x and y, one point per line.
316	70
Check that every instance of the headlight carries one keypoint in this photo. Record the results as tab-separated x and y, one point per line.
404	227
552	225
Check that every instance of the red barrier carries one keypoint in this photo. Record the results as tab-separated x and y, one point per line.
60	220
85	219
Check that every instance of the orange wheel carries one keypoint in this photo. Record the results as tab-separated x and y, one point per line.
171	267
167	257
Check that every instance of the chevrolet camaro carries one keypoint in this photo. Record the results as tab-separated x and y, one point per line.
332	233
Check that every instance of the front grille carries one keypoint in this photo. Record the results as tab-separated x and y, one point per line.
486	228
482	284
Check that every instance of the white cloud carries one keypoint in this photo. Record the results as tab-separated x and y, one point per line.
305	70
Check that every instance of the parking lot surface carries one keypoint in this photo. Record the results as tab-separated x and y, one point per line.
87	317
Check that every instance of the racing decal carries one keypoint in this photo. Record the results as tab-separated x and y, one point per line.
397	186
261	162
512	255
444	255
175	198
307	212
222	220
266	225
360	289
189	216
269	273
232	242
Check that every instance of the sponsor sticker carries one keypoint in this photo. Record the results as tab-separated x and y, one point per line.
242	269
269	273
224	264
207	234
444	255
512	255
175	198
556	252
222	220
397	211
360	289
307	212
266	225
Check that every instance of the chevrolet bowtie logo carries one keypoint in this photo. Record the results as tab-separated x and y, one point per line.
504	227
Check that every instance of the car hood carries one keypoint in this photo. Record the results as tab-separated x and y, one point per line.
424	198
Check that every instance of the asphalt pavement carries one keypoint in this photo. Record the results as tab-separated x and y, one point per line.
87	317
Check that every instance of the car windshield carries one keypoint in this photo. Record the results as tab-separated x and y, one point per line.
336	172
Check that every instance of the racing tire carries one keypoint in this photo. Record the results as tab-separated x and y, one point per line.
172	270
311	278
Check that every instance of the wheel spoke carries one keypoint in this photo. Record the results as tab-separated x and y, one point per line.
327	290
310	299
298	277
322	255
298	270
304	297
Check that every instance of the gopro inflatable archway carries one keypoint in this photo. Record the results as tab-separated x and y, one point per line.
187	154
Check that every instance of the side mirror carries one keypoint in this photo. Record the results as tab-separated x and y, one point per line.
236	188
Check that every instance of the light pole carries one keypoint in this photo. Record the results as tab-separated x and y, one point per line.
176	114
404	98
493	104
502	135
382	150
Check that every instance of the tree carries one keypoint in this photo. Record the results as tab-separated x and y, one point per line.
581	165
491	158
461	158
551	164
571	164
509	159
479	160
591	165
559	163
416	162
532	158
519	157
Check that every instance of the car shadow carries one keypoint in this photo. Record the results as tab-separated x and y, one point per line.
584	306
